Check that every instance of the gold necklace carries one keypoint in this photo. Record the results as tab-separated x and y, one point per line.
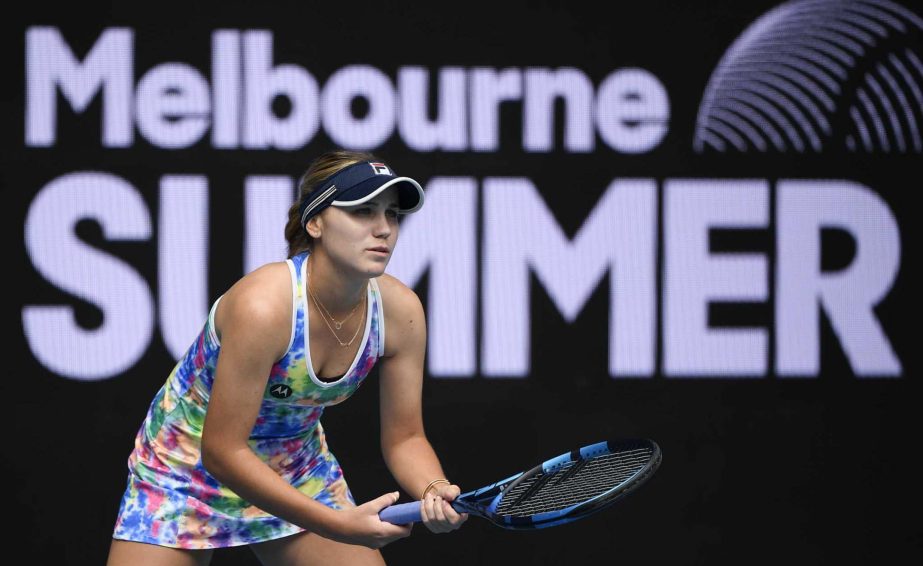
338	324
332	331
323	309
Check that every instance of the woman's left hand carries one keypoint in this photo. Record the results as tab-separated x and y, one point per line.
438	515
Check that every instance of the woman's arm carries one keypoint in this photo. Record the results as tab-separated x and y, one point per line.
254	319
406	450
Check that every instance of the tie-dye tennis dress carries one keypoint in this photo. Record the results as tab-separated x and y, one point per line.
172	500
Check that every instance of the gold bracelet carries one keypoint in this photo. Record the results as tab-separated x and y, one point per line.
431	484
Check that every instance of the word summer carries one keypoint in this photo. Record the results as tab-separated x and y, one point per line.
481	243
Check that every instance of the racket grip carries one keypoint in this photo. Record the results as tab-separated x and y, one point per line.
402	514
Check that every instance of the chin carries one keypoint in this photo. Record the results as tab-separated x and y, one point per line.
378	272
375	269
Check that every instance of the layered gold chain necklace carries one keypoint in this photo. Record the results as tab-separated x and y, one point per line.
325	314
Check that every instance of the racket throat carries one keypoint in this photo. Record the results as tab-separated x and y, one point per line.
464	506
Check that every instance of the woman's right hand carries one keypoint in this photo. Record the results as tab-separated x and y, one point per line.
361	525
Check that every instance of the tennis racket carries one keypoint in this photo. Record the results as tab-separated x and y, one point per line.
560	490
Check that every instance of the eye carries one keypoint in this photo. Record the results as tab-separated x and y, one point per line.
392	213
362	211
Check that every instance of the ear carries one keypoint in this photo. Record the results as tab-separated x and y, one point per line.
314	226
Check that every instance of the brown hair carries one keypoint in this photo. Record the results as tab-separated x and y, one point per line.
320	169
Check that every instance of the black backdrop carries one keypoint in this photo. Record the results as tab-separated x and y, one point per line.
764	469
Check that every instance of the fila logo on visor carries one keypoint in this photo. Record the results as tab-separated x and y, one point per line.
381	169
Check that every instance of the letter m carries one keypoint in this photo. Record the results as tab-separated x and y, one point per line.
522	236
50	64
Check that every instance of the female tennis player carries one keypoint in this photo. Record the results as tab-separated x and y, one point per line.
232	451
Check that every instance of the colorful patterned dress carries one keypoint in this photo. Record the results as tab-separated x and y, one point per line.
172	500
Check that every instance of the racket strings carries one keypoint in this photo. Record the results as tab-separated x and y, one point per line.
569	471
572	483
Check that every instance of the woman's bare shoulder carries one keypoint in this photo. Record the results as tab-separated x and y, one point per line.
261	297
404	317
398	297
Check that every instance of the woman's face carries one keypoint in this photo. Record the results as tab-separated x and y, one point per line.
361	238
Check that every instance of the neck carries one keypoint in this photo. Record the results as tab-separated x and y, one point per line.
336	290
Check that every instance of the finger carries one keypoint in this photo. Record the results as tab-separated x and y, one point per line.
439	508
427	509
448	492
439	514
461	518
436	520
451	515
451	492
455	518
385	500
405	530
391	529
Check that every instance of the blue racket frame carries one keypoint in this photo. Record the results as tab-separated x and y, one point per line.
484	502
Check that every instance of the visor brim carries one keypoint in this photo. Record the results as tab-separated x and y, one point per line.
410	193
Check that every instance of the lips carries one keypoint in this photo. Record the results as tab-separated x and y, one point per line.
380	249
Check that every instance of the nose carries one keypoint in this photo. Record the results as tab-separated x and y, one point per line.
382	226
